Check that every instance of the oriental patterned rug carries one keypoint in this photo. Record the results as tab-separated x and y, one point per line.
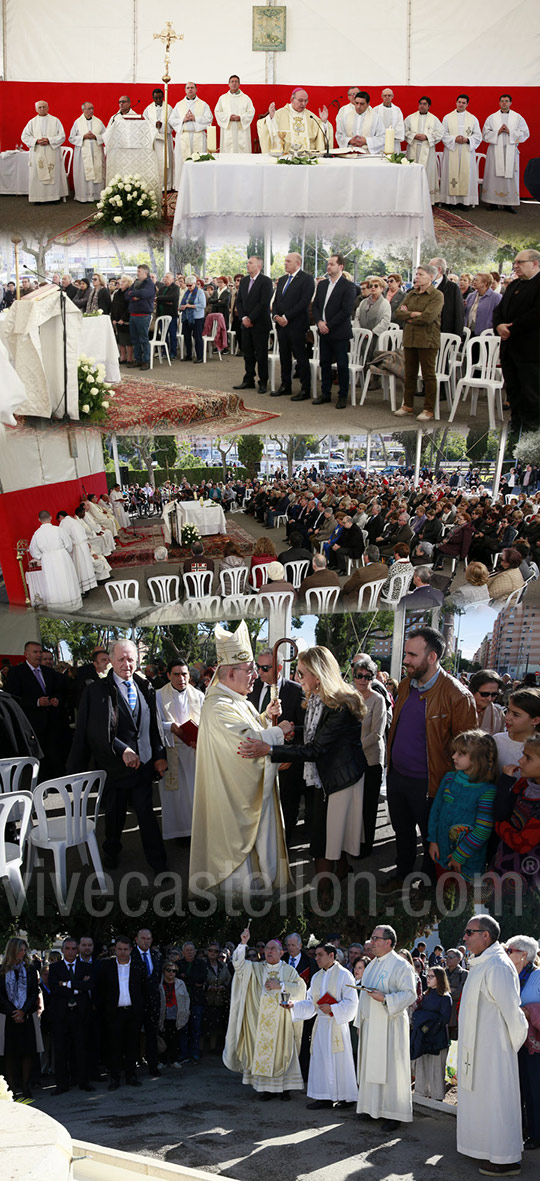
151	406
449	227
136	545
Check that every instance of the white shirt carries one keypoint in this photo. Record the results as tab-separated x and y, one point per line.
331	285
124	998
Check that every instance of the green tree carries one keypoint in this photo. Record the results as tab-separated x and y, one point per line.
528	448
165	451
228	260
348	633
250	449
187	255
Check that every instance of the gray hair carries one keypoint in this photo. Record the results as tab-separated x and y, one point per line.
318	561
428	270
117	642
455	952
388	933
489	924
426	548
424	574
439	262
365	661
294	935
373	553
524	943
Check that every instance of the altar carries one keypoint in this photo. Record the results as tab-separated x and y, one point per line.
129	147
208	518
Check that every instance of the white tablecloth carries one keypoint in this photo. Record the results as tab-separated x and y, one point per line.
365	197
207	520
14	173
97	340
37	587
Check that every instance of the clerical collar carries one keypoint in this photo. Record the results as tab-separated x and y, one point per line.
428	685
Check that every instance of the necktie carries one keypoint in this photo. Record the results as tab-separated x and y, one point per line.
250	285
286	284
40	679
149	963
131	694
265	699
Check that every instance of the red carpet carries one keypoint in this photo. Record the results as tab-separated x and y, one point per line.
135	547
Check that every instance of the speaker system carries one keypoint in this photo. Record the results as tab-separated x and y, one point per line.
124	474
532	177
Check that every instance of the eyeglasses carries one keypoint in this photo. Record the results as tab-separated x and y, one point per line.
513	951
473	931
481	694
264	668
362	676
375	938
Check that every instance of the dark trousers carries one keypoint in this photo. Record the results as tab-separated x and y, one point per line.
138	331
172	336
529	1081
122	1042
150	1030
69	1041
372	790
190	1035
193	331
338	351
170	1035
409	805
340	558
425	360
255	350
292	343
522	380
137	788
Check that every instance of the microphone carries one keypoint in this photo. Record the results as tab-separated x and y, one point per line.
325	134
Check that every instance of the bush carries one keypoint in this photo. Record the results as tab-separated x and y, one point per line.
193	474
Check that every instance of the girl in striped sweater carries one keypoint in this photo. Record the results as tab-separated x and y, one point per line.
461	817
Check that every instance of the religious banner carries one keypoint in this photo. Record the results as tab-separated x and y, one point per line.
269	28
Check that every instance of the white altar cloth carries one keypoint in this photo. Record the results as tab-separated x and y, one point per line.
97	340
14	176
208	520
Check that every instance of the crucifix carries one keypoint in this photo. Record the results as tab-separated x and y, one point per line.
167	36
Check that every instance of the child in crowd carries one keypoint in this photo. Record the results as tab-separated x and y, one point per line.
517	816
521	720
461	818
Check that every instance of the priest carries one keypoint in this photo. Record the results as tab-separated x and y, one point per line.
51	546
44	136
101	539
492	1028
503	132
332	1000
423	131
367	128
346	117
459	172
80	550
262	1041
86	135
99	516
238	838
179	707
118	504
129	141
154	113
294	126
234	115
190	119
384	1061
392	118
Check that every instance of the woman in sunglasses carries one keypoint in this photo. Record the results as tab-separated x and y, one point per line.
485	687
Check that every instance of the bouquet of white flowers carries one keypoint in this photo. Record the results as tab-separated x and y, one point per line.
189	534
127	204
94	392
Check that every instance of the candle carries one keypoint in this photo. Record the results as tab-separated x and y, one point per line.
389	141
211	144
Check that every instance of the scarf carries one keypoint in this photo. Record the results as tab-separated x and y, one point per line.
16	986
187	313
45	155
92	162
314	710
92	304
460	161
505	149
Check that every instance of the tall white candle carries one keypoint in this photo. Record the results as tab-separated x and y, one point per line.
389	138
211	143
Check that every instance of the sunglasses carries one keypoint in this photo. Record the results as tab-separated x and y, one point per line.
362	676
495	694
264	668
473	931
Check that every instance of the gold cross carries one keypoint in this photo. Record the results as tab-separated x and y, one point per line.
168	35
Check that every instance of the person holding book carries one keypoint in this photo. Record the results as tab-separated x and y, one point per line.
332	999
179	709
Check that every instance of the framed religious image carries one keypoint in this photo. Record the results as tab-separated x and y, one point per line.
269	28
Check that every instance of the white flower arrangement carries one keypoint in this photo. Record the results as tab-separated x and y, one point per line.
5	1092
94	392
125	202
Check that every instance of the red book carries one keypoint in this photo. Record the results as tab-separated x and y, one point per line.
327	999
188	733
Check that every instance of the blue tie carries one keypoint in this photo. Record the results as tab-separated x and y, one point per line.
131	695
286	284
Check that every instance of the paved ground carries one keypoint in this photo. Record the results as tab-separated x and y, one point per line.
202	1117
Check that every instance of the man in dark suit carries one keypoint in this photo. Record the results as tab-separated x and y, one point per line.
296	957
290	312
93	671
152	960
253	309
424	594
332	312
117	731
453	312
70	982
121	989
516	320
350	545
291	779
41	694
372	570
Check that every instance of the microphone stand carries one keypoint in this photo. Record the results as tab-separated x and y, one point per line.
325	134
63	317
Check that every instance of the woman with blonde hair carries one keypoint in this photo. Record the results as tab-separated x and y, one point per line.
474	589
20	1034
99	296
334	762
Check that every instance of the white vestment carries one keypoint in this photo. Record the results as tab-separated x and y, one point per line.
129	144
88	159
47	177
190	136
156	114
370	125
118	504
331	1069
234	137
256	1048
492	1028
289	129
177	786
101	540
384	1060
52	546
392	117
423	151
500	185
80	553
100	518
102	569
344	124
468	125
107	510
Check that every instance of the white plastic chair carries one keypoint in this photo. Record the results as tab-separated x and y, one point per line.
258	575
233	343
67	157
232	580
273	358
322	600
315	359
164	589
399	586
357	359
280	520
481	158
295	571
198	583
15	807
241	606
18	775
373	589
353	564
159	340
481	376
79	797
209	340
391	339
208	607
124	595
447	353
276	601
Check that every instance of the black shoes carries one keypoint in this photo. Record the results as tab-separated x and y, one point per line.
114	1085
303	396
321	401
262	387
282	392
317	1103
390	1125
245	385
341	404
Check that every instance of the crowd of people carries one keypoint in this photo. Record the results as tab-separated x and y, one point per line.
365	1026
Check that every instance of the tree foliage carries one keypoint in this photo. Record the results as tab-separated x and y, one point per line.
250	449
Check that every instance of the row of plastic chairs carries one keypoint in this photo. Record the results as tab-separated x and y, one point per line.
53	816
